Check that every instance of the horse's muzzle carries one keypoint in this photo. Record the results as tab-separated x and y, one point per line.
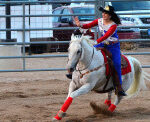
69	76
70	71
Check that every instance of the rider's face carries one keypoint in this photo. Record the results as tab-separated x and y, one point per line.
106	16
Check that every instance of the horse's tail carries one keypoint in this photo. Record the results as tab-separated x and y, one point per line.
139	79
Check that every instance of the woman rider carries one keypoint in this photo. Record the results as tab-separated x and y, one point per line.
109	38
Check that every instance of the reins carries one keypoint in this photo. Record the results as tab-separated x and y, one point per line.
81	75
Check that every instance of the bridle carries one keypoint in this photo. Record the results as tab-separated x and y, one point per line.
80	58
89	71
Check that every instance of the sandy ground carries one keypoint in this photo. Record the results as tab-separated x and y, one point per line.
37	96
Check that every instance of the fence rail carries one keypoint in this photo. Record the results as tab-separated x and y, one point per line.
66	42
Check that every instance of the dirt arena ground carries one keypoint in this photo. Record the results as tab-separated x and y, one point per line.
37	96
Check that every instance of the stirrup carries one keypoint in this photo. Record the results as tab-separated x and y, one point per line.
121	93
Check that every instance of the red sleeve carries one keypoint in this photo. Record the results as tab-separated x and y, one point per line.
110	31
89	25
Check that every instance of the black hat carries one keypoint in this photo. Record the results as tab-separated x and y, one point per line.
111	11
108	9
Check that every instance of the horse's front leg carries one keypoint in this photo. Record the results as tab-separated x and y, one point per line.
82	90
72	87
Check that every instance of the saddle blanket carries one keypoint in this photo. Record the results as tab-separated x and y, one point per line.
125	64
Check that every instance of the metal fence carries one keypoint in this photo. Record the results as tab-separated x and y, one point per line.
27	17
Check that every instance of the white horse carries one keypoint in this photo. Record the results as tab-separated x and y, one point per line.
88	67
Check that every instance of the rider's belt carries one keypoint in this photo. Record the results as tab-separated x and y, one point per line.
110	42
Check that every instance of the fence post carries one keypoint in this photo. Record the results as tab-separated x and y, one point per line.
8	22
98	4
23	48
98	13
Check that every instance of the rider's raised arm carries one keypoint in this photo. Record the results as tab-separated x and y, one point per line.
91	24
110	31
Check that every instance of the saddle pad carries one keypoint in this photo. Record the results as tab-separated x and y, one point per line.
125	64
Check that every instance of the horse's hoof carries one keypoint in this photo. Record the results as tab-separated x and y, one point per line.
54	120
61	114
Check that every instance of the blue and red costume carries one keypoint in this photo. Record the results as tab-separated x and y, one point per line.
108	34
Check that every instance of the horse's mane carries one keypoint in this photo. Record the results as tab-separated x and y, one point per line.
79	38
89	41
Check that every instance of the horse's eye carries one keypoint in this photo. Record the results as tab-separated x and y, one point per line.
78	51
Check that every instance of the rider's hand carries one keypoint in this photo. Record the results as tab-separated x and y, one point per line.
77	22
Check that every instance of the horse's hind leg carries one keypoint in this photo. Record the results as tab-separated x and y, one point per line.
117	101
108	101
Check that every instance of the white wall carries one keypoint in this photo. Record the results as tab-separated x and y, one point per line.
35	22
10	64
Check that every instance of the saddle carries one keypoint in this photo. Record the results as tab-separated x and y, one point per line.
110	70
125	65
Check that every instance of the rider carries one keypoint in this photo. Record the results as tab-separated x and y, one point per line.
109	38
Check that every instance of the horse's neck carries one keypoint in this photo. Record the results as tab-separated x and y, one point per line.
90	57
87	52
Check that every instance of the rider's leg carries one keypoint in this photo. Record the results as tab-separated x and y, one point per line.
116	58
118	80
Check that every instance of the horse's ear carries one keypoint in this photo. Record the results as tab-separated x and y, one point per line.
72	36
82	37
77	32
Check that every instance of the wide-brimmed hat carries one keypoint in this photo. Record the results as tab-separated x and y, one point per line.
111	11
108	9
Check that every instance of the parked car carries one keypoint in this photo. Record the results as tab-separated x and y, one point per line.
68	21
132	19
138	20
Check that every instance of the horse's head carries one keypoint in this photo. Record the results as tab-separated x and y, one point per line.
74	50
77	32
79	47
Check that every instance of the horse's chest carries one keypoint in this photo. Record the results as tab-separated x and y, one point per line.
80	81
